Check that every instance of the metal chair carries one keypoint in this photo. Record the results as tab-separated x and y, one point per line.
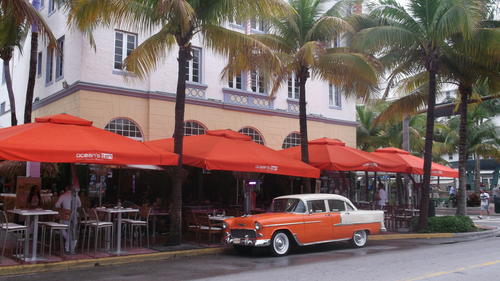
15	229
97	226
206	226
134	226
53	226
84	222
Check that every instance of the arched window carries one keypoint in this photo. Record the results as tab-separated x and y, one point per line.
293	139
193	128
125	127
256	136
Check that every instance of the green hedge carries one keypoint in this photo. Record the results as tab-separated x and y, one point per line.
447	224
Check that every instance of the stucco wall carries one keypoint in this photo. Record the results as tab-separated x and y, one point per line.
156	117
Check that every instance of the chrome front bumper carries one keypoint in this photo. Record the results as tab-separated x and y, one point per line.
247	241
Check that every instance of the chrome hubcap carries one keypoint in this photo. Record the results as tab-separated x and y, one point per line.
360	238
281	243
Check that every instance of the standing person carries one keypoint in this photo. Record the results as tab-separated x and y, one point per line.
496	198
485	203
382	196
453	196
64	204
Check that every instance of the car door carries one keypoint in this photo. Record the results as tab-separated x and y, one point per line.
338	210
317	222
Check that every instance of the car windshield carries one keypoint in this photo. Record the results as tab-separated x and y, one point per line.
288	205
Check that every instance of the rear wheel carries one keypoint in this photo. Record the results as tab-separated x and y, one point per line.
280	244
359	238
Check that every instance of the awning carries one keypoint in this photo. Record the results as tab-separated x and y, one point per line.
334	155
414	164
65	138
232	151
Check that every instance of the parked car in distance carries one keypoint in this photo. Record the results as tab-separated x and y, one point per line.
303	219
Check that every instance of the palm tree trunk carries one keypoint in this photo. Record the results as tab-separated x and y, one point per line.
28	106
8	81
429	137
477	173
465	92
304	148
175	237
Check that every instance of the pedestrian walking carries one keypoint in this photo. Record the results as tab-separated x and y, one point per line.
485	203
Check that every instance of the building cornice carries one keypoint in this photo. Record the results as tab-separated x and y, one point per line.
157	95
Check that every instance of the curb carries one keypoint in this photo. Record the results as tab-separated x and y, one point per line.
92	262
491	232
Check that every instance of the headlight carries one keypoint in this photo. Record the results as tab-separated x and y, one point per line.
258	226
224	225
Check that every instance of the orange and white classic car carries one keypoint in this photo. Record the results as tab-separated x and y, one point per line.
303	219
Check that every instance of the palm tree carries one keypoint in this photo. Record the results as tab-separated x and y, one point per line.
16	18
12	36
304	42
175	23
414	37
469	64
482	139
368	131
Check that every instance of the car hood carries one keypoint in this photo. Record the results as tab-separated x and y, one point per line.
264	219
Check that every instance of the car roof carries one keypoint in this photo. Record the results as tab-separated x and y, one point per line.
314	196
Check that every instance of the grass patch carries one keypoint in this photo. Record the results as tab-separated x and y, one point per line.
447	224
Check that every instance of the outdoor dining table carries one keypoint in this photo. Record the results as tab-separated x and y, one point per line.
118	211
219	218
35	213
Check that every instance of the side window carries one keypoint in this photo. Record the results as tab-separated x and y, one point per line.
349	207
336	205
301	208
316	206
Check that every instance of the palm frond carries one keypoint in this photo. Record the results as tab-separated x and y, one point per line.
327	28
145	58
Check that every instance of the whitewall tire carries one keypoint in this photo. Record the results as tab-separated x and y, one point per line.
280	244
359	238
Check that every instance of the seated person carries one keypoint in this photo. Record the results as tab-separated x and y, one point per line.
34	198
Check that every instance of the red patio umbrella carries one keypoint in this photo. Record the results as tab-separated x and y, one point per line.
69	139
232	151
414	164
334	155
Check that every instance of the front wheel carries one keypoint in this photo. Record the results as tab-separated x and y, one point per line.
359	239
280	244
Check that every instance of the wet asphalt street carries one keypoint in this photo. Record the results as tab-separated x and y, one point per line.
434	259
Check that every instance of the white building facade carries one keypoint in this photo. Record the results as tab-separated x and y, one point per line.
90	83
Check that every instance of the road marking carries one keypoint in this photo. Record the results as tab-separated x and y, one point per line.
461	269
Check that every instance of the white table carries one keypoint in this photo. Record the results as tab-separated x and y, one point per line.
219	218
28	214
118	212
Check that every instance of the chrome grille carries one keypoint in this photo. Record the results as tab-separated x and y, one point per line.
242	233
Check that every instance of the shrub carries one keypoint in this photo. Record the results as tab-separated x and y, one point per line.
447	224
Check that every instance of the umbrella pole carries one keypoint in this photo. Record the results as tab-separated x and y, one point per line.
237	189
73	217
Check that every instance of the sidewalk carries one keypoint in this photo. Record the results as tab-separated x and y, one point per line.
471	211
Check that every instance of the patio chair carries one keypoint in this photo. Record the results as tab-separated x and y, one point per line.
191	224
206	226
20	231
52	227
133	226
84	222
97	225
